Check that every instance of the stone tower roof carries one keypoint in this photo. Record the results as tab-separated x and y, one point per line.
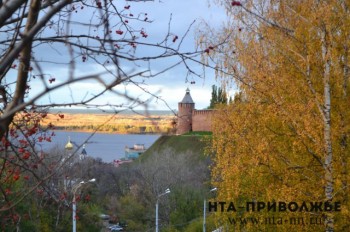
187	98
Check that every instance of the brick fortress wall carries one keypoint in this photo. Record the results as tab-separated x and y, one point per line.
201	120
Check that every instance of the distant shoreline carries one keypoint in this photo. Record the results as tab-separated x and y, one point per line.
104	132
111	112
111	123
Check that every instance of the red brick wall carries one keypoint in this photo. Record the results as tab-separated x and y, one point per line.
201	120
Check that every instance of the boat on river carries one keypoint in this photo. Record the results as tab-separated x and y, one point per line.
131	153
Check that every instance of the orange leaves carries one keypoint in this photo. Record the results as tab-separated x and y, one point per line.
276	139
254	151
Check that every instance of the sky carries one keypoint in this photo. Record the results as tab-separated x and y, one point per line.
171	85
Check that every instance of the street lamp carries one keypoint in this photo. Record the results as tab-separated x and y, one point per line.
204	209
74	203
162	194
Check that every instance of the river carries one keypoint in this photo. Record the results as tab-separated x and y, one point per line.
108	147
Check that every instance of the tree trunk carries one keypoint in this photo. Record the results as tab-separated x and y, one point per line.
22	76
328	155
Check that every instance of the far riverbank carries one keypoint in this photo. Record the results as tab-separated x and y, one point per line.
109	123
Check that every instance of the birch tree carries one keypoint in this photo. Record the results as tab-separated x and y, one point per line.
290	61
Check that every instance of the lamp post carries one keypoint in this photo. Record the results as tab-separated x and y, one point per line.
74	203
205	209
166	192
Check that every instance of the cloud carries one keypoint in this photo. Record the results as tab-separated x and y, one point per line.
170	86
160	93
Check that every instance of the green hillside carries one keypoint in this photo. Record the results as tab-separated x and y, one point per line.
179	144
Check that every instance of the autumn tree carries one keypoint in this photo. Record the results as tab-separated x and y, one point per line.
291	132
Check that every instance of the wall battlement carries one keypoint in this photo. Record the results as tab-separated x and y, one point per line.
197	112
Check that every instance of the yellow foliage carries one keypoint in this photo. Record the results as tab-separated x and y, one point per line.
273	144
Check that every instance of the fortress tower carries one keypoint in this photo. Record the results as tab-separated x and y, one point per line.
186	107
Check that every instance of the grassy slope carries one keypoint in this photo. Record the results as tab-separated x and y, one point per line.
179	144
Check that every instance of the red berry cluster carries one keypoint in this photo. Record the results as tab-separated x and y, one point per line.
207	50
236	3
